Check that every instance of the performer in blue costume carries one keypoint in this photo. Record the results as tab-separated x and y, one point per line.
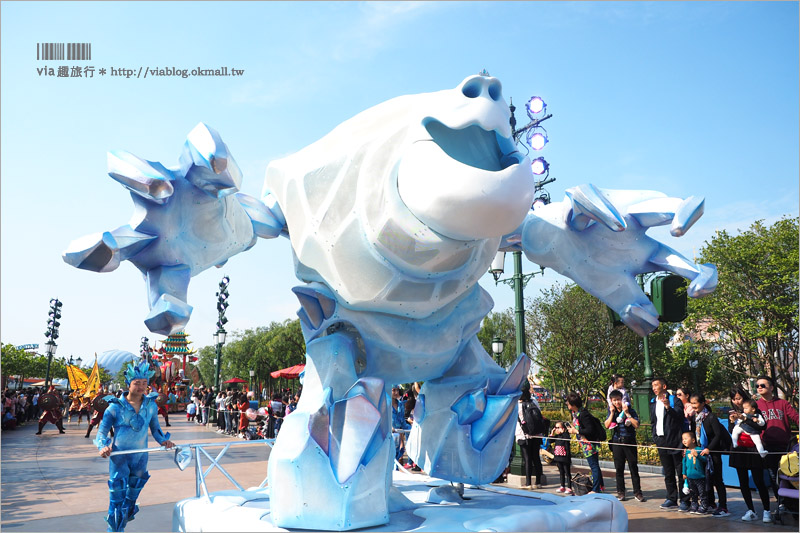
130	416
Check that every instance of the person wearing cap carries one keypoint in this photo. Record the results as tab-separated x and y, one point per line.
131	416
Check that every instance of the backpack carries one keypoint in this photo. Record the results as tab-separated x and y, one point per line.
533	423
598	433
725	440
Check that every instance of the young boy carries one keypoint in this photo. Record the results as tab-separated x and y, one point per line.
562	457
751	422
694	472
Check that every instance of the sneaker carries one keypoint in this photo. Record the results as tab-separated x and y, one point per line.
561	490
621	496
767	517
694	509
749	516
668	504
720	512
536	486
703	511
568	492
640	497
683	507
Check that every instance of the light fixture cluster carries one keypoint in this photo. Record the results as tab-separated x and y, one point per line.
222	302
536	136
52	322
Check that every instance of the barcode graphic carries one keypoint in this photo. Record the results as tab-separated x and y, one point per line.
60	51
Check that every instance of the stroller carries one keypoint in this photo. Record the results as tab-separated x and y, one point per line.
788	483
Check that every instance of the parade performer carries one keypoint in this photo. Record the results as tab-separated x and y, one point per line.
86	409
164	400
75	406
99	404
52	406
130	417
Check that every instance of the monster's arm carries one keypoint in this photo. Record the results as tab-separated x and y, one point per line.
597	238
186	219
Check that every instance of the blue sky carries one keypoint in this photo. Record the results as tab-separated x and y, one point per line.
690	98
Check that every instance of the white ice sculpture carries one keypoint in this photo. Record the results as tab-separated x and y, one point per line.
393	217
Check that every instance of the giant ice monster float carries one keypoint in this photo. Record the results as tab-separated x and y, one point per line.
392	217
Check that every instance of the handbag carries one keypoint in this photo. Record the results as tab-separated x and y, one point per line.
581	484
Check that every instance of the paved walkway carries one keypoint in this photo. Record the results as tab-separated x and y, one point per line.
58	482
54	482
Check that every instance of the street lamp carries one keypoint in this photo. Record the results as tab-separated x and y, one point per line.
78	362
517	282
497	345
252	373
52	334
50	350
219	335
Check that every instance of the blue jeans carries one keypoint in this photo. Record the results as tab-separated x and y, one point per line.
597	475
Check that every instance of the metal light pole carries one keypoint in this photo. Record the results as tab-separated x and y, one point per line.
52	334
536	138
641	392
694	363
219	336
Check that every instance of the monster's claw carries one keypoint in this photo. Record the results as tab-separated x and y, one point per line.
703	277
689	211
705	282
663	210
208	165
590	204
148	179
103	252
264	222
169	315
167	287
639	319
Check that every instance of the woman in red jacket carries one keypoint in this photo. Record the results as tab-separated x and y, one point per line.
777	435
243	405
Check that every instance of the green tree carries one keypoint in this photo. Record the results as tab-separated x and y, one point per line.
750	322
576	346
26	364
499	325
263	350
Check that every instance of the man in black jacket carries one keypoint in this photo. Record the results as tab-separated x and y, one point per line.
666	415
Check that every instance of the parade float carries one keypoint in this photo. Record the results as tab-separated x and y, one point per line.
393	217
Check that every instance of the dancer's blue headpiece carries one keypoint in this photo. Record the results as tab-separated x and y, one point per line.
140	371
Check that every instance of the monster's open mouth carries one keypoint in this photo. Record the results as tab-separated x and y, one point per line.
474	146
466	184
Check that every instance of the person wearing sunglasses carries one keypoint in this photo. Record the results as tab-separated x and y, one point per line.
776	436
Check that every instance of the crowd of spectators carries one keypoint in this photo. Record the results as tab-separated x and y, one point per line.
20	406
690	439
